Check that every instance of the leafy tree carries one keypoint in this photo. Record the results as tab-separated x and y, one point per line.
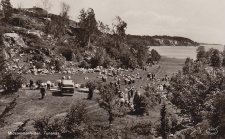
67	53
128	60
98	59
201	53
141	104
216	117
62	21
108	96
223	62
74	125
215	59
56	63
65	8
155	56
84	64
103	28
187	69
119	29
91	85
11	79
88	21
2	66
46	6
7	9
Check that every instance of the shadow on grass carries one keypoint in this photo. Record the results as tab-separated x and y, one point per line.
4	92
60	94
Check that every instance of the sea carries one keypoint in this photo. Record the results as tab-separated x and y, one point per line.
182	52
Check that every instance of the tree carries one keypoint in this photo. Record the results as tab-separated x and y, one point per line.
88	21
201	53
56	63
215	59
46	5
163	122
108	95
63	20
65	8
91	85
155	56
223	62
103	28
67	53
188	66
2	67
141	104
74	125
217	116
7	9
98	59
9	78
119	29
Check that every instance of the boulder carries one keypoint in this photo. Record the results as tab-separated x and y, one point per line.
36	33
13	40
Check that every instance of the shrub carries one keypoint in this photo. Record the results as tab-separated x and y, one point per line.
18	21
84	64
141	104
72	126
142	129
67	53
12	81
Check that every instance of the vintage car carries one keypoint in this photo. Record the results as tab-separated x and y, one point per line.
67	86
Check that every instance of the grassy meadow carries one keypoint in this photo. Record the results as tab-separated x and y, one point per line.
28	105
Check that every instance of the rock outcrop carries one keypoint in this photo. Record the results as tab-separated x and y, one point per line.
13	40
12	44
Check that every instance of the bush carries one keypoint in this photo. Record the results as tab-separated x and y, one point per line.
18	21
72	126
67	53
12	81
141	104
142	129
84	64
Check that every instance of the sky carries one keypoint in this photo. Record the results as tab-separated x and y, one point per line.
199	20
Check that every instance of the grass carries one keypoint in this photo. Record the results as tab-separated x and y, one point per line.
30	107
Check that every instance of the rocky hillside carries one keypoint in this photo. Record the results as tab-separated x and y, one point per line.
33	36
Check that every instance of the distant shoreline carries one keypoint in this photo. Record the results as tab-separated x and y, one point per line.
209	44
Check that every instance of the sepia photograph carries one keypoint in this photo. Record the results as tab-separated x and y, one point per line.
112	69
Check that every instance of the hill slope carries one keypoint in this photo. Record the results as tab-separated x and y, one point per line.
38	38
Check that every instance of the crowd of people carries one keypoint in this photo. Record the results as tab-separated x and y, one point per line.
126	93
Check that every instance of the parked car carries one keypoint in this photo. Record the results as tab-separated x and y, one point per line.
67	86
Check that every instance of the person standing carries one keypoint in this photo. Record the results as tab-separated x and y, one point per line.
90	92
48	85
42	90
31	84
